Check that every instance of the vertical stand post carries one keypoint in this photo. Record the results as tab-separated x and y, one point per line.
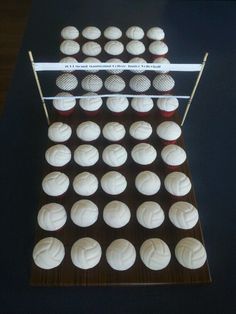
39	87
194	88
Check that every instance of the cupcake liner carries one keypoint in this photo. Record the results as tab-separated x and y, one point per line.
66	113
166	114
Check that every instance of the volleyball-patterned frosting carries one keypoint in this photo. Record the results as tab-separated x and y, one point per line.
140	130
48	253
115	71
91	32
140	83
168	130
137	60
88	131
150	215
112	33
86	253
190	253
117	104
55	183
69	32
173	155
113	131
51	217
91	48
163	83
58	155
59	132
177	183
135	47
114	83
155	33
142	104
86	155
113	183
121	254
69	47
92	60
158	47
114	155
183	215
168	104
114	47
143	153
85	183
67	81
92	83
135	32
90	104
147	183
116	214
84	213
155	254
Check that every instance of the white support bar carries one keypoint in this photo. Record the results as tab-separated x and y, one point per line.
117	66
119	95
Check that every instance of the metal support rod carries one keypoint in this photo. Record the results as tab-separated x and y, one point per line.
39	87
194	88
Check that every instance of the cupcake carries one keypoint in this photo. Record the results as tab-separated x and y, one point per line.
162	60
59	132
155	33
158	48
183	215
150	215
139	83
68	60
85	184
169	132
92	60
58	155
142	105
113	183
167	106
115	71
163	83
113	131
91	32
135	47
114	155
116	214
114	47
88	131
135	33
69	47
114	83
86	155
52	217
140	130
177	183
64	106
91	83
84	213
147	183
90	105
55	183
143	154
70	32
91	49
117	105
173	155
66	82
112	33
137	60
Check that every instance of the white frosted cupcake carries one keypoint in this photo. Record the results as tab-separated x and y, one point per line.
67	81
59	132
92	60
135	47
135	32
158	48
142	105
64	106
114	47
70	32
162	60
86	155
91	49
91	32
117	105
116	214
167	106
163	83
52	217
114	155
58	155
91	83
113	131
91	105
155	33
85	184
88	131
55	183
183	215
173	155
84	213
169	132
114	83
69	47
115	71
140	130
177	183
147	183
68	60
139	83
139	61
112	33
143	154
150	215
113	183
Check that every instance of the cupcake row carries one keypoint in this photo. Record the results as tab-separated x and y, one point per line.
116	214
120	255
114	155
88	131
92	104
147	183
139	83
112	33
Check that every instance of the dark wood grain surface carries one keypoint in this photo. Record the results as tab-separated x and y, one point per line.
13	18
